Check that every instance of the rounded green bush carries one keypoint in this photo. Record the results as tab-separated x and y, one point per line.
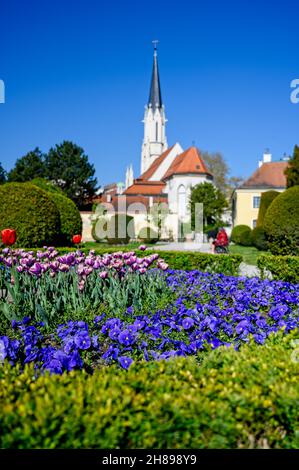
119	232
148	235
70	218
282	223
30	211
258	237
246	238
237	232
266	199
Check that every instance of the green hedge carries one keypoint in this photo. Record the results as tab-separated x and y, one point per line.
238	231
281	223
233	399
30	211
284	268
187	260
266	199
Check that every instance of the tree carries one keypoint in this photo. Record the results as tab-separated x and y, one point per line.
213	200
69	169
292	170
217	165
31	165
2	175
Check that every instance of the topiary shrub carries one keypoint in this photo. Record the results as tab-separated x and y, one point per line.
99	228
246	238
237	232
46	185
148	235
120	229
70	218
282	223
259	240
30	211
266	199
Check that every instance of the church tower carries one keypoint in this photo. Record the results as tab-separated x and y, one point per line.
154	141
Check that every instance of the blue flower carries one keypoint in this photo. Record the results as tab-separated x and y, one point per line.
125	361
187	323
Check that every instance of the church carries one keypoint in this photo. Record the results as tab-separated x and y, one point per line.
167	173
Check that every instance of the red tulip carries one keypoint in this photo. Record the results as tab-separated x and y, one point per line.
9	236
77	239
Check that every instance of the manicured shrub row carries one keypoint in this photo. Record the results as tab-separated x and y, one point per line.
118	229
285	268
245	399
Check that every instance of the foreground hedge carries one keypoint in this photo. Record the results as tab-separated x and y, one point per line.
247	398
284	268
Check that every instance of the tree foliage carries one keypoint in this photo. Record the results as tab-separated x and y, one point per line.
2	174
31	165
69	169
213	200
292	171
217	165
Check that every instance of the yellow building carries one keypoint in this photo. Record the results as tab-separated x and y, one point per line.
246	199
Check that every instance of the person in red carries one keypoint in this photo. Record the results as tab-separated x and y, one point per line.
221	240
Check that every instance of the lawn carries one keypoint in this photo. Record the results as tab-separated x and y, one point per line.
249	253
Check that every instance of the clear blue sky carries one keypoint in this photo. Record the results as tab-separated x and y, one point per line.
80	70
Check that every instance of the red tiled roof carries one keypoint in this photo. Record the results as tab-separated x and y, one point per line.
189	161
147	188
269	175
151	170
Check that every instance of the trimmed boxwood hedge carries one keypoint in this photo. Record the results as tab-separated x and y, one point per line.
233	399
30	211
239	231
281	223
284	268
266	199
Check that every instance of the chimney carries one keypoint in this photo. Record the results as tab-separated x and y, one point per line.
267	157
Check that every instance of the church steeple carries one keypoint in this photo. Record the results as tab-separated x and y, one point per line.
155	98
154	141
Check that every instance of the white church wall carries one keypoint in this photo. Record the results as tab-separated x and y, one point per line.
177	181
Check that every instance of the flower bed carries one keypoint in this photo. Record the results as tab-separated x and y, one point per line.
206	311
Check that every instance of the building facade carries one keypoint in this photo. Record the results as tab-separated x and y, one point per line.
246	199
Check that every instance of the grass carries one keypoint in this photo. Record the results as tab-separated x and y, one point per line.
249	253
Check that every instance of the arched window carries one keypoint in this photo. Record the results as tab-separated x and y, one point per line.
182	203
156	132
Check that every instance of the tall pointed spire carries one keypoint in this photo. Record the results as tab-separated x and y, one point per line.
155	98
